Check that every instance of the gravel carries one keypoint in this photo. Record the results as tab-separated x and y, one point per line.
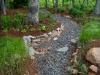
54	62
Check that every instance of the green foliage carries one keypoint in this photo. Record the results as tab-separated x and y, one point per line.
42	16
81	7
59	9
93	18
19	19
82	67
76	13
43	27
12	51
32	29
20	3
6	22
90	31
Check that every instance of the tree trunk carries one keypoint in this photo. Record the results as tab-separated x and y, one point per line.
33	12
46	5
3	7
62	2
97	8
56	5
53	3
73	3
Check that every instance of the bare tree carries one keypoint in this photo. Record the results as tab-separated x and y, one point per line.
97	8
33	12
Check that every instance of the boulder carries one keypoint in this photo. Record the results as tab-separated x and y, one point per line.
93	55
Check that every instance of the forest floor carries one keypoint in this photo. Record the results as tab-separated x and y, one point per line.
32	67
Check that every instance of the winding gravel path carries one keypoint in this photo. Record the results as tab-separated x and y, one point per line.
54	62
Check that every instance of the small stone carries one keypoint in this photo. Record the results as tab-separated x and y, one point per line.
58	29
45	35
64	49
75	71
49	33
33	37
55	38
73	40
94	68
31	51
44	40
36	40
32	57
90	73
54	33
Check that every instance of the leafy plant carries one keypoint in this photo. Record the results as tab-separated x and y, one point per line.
77	13
32	29
43	27
90	31
81	7
6	22
23	31
42	16
19	19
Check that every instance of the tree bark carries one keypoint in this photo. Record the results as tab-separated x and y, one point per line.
3	7
96	11
33	12
73	3
56	5
62	2
53	3
46	5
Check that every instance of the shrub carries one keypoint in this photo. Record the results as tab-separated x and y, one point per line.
60	9
6	22
77	13
19	19
81	7
90	31
20	3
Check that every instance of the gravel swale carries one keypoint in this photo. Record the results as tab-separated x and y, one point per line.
54	62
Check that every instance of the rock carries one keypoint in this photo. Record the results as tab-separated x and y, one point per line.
54	33
93	68
31	51
36	40
75	71
45	35
27	38
73	40
93	55
32	37
32	57
43	40
90	73
64	49
55	38
49	33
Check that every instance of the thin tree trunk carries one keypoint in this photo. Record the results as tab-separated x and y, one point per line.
97	8
3	7
46	5
56	5
33	12
62	2
53	3
73	3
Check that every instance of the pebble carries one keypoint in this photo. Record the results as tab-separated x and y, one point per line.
54	62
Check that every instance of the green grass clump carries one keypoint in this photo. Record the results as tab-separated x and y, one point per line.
90	31
12	51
